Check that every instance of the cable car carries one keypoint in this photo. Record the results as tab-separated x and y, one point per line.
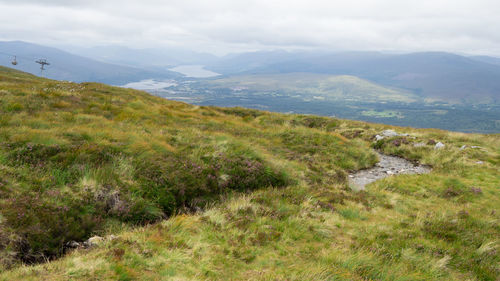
14	62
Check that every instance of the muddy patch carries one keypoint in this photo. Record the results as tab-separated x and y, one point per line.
388	165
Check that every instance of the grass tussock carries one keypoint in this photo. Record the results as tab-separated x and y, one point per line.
205	193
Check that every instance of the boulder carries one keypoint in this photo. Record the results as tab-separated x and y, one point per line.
389	133
439	145
94	241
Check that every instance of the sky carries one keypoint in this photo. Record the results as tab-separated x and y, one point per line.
223	26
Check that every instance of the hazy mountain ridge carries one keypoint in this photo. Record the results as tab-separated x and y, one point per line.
432	75
70	67
161	58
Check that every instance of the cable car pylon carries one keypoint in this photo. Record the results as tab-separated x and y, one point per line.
42	63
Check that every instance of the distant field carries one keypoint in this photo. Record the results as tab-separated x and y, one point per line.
341	96
332	87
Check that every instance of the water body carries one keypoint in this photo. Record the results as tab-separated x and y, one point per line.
388	165
195	71
150	84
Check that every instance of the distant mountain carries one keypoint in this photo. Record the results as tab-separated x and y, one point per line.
487	59
432	75
67	66
159	57
247	62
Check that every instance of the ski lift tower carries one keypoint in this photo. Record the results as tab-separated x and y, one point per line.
42	63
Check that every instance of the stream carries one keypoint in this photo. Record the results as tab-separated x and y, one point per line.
388	165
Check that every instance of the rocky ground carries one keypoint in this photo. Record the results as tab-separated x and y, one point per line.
388	165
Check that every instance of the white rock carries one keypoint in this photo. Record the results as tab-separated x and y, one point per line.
389	172
389	133
463	147
418	144
439	145
480	162
93	241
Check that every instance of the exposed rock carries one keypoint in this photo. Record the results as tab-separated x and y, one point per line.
480	162
463	147
94	241
379	137
73	244
388	165
439	145
389	133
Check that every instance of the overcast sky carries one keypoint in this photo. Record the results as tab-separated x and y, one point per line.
220	26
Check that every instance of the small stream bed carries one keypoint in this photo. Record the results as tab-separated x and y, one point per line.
388	165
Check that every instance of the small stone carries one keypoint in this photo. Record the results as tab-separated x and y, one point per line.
73	244
389	172
480	162
439	145
379	137
351	176
94	241
463	147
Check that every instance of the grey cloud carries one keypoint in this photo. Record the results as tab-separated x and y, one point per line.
224	25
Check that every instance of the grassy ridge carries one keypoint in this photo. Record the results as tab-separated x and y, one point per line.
84	159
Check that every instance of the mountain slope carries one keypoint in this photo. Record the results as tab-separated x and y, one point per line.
487	59
252	195
439	76
145	57
66	66
319	86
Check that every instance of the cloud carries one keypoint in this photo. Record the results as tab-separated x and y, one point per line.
223	25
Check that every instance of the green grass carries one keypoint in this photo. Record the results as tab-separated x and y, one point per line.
206	193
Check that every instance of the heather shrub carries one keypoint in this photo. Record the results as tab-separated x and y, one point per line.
172	181
44	227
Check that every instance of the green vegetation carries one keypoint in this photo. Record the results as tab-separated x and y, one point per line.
206	193
383	114
338	96
309	85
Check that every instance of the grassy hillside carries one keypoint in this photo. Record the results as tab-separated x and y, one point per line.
204	193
